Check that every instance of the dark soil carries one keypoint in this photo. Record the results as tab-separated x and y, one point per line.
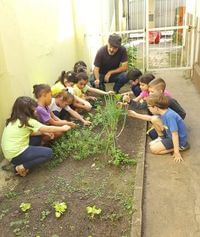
79	184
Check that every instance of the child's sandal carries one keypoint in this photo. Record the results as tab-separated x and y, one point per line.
20	170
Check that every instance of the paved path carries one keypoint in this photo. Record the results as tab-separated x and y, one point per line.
172	191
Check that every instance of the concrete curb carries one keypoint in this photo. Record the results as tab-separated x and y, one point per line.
136	224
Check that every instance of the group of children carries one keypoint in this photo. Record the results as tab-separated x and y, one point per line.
33	124
166	115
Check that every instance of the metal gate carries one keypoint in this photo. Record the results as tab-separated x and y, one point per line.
160	31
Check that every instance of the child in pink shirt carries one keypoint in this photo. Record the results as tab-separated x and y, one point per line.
144	81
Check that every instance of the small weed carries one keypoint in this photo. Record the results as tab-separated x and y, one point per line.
112	217
120	158
92	211
60	208
44	214
16	223
3	213
11	194
17	231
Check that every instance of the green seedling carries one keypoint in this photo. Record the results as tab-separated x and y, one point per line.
3	213
91	211
60	208
44	214
25	206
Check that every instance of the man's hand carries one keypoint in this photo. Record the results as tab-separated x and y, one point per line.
177	157
107	77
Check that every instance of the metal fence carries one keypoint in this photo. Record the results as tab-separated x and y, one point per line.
162	31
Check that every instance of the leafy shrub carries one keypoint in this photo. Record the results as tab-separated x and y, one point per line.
100	137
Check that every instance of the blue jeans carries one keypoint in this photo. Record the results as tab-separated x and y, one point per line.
120	79
34	155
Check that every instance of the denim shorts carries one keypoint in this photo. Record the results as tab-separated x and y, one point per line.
168	144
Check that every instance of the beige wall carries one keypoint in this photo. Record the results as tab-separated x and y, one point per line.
36	43
39	38
93	21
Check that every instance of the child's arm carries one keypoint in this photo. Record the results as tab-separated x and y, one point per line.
137	99
127	93
100	92
54	117
52	129
79	117
55	121
175	139
144	117
88	97
86	105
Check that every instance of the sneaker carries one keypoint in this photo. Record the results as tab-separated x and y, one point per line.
184	148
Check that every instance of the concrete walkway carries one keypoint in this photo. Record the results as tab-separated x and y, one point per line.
172	191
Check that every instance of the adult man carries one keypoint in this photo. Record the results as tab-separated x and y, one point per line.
111	64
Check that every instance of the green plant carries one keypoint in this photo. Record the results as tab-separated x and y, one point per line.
120	158
100	137
60	208
92	211
11	194
25	206
131	51
44	214
3	213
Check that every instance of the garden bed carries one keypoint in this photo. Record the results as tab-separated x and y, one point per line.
80	184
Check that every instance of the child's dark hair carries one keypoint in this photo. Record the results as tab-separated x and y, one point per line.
69	76
146	78
80	66
82	76
23	109
159	83
39	89
134	74
65	96
159	101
